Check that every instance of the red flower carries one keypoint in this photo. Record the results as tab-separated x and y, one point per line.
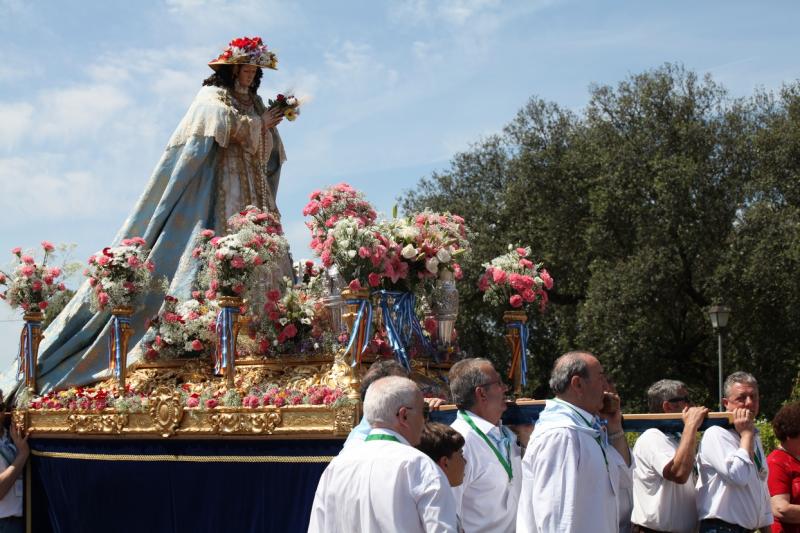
515	300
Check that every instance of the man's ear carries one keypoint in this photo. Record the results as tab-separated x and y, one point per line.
442	462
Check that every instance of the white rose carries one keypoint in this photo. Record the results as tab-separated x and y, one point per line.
306	321
351	254
283	321
443	256
432	265
409	252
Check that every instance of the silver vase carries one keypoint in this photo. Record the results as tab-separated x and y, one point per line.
445	306
333	300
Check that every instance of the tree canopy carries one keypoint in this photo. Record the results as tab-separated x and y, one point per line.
663	196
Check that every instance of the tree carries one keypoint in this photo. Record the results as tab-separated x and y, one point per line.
644	207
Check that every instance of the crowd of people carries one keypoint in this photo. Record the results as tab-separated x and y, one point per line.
571	471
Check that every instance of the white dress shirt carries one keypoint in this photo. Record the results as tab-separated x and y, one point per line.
567	482
487	500
658	503
383	486
11	503
731	487
624	488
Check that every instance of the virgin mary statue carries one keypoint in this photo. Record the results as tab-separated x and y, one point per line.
224	155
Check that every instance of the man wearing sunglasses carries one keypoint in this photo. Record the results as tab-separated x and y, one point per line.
664	497
487	499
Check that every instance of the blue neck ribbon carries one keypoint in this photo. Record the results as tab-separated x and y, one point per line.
115	343
401	324
224	354
523	347
364	313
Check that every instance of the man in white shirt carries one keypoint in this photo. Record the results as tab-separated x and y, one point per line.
384	484
569	481
13	455
487	499
664	496
732	494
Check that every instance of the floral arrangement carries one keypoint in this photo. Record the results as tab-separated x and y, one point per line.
255	239
119	274
289	323
512	279
203	396
326	207
31	285
288	105
90	399
182	327
247	51
356	250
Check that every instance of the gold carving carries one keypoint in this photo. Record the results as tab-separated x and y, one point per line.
166	410
345	419
97	423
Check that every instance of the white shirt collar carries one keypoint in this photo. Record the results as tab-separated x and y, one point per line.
583	412
484	425
386	431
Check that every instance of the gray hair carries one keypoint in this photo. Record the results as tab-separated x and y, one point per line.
385	397
568	365
465	376
662	391
744	378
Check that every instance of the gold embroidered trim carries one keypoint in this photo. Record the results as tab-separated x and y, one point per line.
188	458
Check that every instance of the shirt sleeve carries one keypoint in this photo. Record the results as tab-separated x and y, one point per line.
779	481
434	497
653	453
554	469
726	457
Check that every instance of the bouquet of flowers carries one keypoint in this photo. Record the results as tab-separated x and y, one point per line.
119	274
291	322
255	240
182	327
330	205
356	250
512	279
441	239
31	286
288	105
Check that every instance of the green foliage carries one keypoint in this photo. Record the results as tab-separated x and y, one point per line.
662	197
768	438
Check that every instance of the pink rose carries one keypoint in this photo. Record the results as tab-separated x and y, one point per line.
354	285
36	285
54	272
546	279
134	261
103	298
42	305
211	294
211	403
207	233
237	262
515	300
526	263
103	260
499	276
16	251
197	345
522	252
27	271
374	279
28	260
528	295
192	401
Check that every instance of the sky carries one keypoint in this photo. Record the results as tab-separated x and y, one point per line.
91	90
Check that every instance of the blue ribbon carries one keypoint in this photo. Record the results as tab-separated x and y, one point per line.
115	342
401	324
225	321
523	346
27	366
365	308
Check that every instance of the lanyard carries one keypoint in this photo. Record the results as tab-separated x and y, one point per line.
757	456
381	436
588	424
505	464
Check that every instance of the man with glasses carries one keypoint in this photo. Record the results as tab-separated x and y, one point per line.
664	496
570	475
385	484
487	499
732	493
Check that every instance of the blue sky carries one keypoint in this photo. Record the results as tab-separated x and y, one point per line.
90	91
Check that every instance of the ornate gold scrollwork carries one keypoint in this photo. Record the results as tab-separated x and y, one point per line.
166	410
97	423
263	422
345	419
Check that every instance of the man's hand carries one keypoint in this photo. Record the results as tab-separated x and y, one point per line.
743	421
21	443
434	403
693	418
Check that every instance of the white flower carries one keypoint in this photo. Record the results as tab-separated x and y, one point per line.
283	321
443	255
306	321
409	252
351	254
432	265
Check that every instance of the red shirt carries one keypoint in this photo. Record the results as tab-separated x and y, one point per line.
784	478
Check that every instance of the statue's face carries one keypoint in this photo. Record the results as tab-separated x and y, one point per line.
246	75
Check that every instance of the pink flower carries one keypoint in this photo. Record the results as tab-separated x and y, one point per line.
237	262
207	233
526	263
103	260
522	252
498	276
28	260
103	298
214	285
355	285
515	300
238	289
54	272
36	285
211	403
48	246
134	261
274	295
192	401
16	251
279	401
2	278
546	279
290	331
63	287
457	272
211	294
528	295
197	345
42	305
92	282
363	252
151	267
27	271
374	279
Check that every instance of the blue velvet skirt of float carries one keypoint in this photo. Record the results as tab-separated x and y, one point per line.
179	201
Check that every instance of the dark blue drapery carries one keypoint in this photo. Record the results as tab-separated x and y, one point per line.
85	486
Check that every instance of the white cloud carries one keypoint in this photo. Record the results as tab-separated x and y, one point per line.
354	63
79	111
15	122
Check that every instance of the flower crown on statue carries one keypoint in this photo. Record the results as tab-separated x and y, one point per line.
246	51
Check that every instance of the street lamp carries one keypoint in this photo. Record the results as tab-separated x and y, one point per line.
719	315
